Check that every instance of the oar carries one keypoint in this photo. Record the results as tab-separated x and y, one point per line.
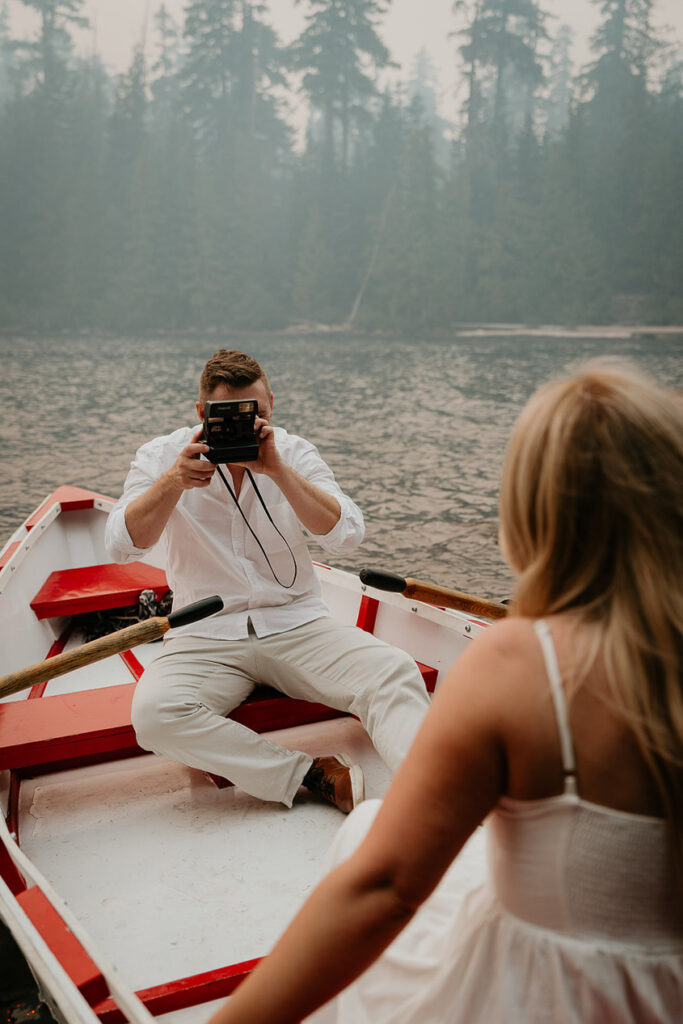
141	633
432	594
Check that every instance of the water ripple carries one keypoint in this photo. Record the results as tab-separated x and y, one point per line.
415	430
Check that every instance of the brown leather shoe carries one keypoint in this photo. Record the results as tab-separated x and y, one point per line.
337	780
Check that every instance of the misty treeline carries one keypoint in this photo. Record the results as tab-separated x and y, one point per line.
178	195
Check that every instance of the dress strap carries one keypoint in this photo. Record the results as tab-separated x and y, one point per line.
557	690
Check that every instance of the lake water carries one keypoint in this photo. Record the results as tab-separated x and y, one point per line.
415	430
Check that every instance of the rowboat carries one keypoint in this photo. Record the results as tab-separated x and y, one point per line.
134	886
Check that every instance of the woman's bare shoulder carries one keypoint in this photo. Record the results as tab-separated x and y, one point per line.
512	641
499	669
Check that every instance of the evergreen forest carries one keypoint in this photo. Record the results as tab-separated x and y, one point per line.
180	195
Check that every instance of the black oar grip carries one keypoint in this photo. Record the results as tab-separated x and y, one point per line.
383	580
194	612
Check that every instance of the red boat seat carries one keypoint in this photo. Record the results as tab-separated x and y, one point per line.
93	588
66	730
70	729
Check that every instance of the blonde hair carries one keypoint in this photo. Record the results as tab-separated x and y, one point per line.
591	512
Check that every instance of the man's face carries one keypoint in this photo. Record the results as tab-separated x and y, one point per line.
257	390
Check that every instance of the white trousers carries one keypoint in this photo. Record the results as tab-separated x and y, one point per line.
182	698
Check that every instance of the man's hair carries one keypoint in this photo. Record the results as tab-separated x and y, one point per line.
232	368
591	507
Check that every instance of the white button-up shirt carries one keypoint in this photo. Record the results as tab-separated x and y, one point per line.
209	549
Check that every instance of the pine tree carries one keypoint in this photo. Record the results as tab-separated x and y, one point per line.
338	53
617	127
501	36
423	86
128	213
40	167
407	287
48	55
468	13
208	69
232	67
262	66
85	195
164	84
625	44
558	98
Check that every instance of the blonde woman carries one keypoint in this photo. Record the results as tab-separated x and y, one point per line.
562	726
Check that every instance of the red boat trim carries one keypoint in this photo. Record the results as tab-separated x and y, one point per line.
12	819
7	554
70	498
132	664
10	873
183	993
58	646
429	675
95	754
75	960
367	613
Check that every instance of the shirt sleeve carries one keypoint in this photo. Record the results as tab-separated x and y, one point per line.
349	530
144	470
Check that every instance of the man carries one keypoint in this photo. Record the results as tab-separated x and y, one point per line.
274	627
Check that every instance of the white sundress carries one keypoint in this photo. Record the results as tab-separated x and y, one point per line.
572	921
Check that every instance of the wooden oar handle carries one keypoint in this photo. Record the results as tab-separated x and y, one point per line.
140	633
114	643
431	593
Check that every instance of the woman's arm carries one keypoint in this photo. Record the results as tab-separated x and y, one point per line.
452	777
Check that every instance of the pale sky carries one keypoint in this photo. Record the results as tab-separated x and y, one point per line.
408	26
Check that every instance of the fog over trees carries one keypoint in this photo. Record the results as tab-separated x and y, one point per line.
173	196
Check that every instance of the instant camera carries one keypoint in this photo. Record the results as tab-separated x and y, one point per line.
229	431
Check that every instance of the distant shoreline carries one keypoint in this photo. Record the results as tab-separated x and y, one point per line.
469	330
584	331
492	330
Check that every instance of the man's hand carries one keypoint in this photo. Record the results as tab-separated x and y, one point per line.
269	460
317	510
147	515
189	469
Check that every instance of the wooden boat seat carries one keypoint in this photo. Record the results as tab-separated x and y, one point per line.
93	588
71	729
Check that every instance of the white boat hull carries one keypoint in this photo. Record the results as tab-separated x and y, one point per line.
170	884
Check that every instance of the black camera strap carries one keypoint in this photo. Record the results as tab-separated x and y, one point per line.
286	586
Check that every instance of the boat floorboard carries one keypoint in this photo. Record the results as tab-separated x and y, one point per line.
172	876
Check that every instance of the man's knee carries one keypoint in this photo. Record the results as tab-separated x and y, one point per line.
153	716
144	718
400	675
395	705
